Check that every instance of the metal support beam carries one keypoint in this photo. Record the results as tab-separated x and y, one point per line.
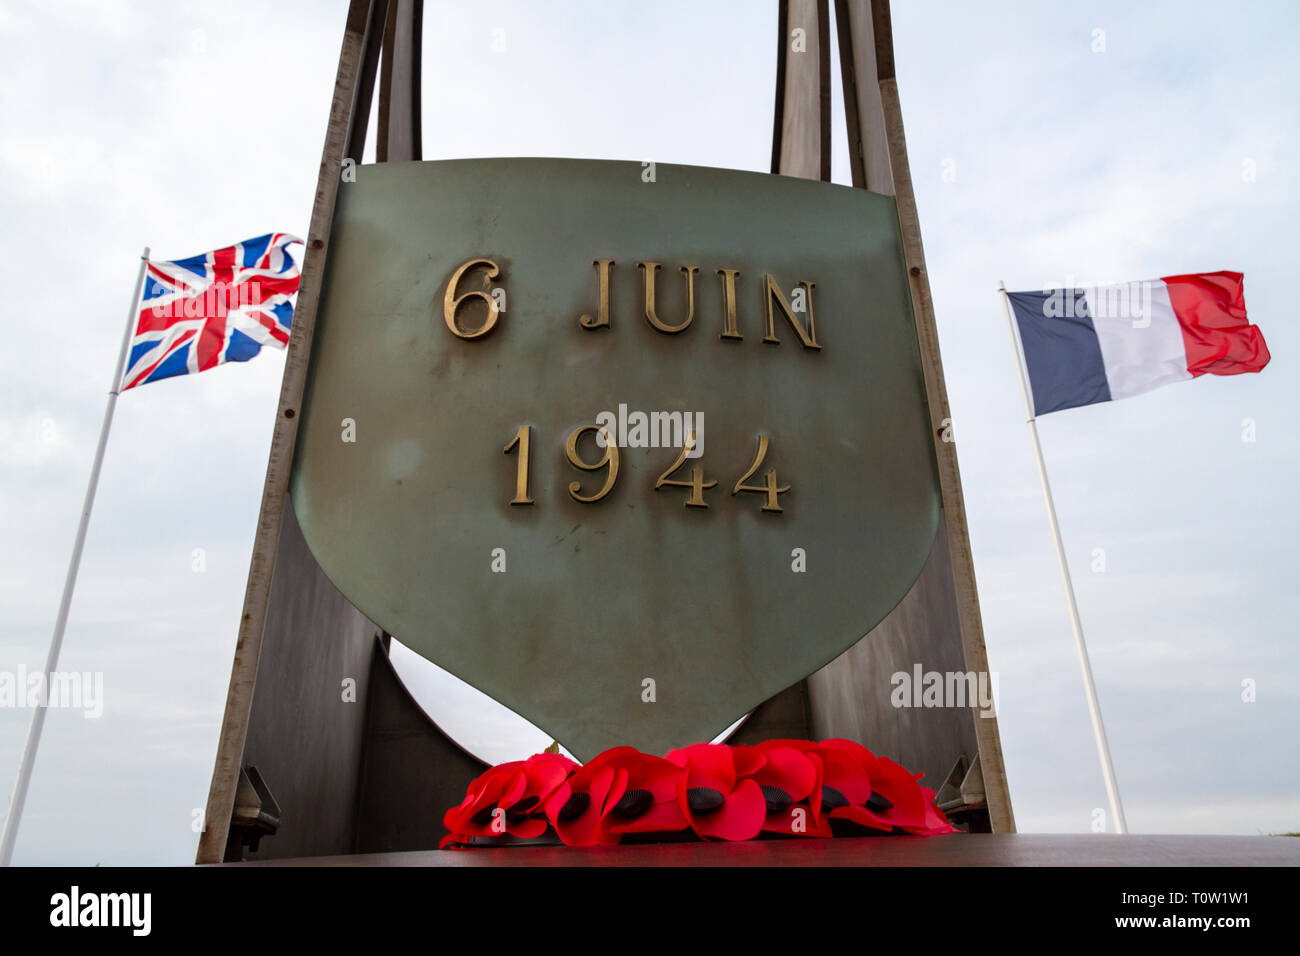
399	84
954	503
801	125
239	697
365	86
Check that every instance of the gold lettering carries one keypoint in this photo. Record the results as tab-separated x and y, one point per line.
650	269
697	484
769	489
729	329
604	267
610	458
451	302
772	293
522	439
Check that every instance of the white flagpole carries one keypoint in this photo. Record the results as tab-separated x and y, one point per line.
60	622
1090	689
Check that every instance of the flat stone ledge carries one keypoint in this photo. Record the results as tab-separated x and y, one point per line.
958	849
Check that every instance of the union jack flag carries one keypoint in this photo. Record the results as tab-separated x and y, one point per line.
209	309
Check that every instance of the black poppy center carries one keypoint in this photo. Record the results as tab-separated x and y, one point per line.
879	803
634	803
575	806
778	801
524	805
704	799
833	799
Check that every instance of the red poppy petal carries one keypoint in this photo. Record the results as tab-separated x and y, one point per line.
815	798
494	778
747	760
681	755
495	827
655	774
585	829
850	747
613	753
582	776
796	820
490	788
664	817
553	804
861	816
514	791
618	785
841	771
935	822
660	778
529	827
710	765
739	818
545	772
789	770
897	785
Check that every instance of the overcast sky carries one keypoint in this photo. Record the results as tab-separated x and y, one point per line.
1037	159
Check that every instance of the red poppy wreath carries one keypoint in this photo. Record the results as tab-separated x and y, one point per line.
704	791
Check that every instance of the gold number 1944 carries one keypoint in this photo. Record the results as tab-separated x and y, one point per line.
610	458
521	470
769	486
697	484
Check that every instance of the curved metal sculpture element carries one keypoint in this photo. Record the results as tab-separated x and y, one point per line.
563	609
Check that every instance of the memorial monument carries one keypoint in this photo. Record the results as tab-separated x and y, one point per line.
636	449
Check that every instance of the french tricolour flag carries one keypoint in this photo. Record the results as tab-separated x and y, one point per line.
1096	344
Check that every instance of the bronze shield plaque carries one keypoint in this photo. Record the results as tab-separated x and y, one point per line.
633	617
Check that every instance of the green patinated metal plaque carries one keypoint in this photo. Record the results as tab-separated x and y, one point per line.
634	618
